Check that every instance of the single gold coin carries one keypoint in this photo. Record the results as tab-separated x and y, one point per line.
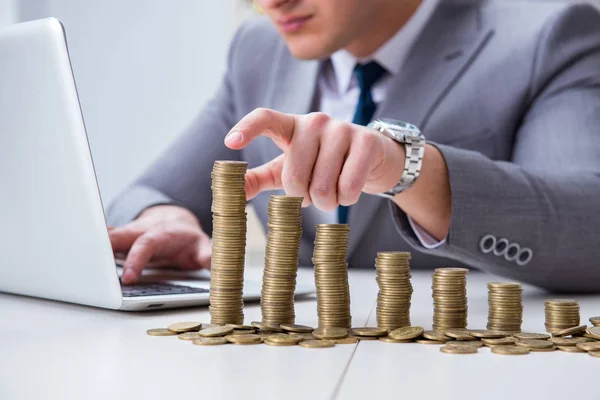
330	333
346	340
427	341
436	336
458	334
296	328
241	327
181	327
506	341
462	343
588	346
486	334
316	344
571	349
377	332
459	349
595	321
594	332
271	342
188	336
361	338
266	327
566	341
214	331
209	341
527	336
283	338
249	338
387	339
594	353
510	350
547	349
406	333
570	331
160	332
303	336
535	344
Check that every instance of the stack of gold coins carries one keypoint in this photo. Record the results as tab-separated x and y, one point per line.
561	314
229	242
449	298
505	313
281	260
395	289
331	276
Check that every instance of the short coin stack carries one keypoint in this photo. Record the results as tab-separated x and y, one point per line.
395	289
331	275
281	260
505	313
561	314
229	242
449	298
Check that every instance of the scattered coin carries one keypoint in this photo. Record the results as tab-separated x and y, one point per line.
535	344
528	336
456	343
595	321
303	336
406	333
427	341
395	289
459	349
189	336
241	327
282	338
267	327
296	328
435	336
346	340
387	339
330	333
486	334
244	339
363	337
316	344
376	332
565	341
547	349
510	350
271	342
215	331
588	346
570	331
594	332
209	341
506	341
181	327
160	332
594	353
459	334
571	349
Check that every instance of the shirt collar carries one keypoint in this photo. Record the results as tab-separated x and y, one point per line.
391	55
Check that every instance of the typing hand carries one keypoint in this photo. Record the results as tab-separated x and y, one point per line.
163	235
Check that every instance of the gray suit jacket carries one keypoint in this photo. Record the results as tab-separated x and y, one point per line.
508	91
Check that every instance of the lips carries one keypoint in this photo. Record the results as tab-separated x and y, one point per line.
292	24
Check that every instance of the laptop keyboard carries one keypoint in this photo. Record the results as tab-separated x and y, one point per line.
158	289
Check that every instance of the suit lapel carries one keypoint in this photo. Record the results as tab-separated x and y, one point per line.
450	41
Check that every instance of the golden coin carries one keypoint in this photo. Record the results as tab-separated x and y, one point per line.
458	334
270	342
510	350
487	334
527	336
367	332
427	341
595	321
160	332
387	339
547	349
209	341
534	344
346	340
570	349
361	338
282	338
241	327
459	350
267	327
303	336
457	343
215	331
296	328
181	327
436	336
572	341
588	346
316	344
249	338
406	333
594	332
188	336
330	333
594	353
506	341
570	331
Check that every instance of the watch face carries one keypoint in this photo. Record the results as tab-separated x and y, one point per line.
404	127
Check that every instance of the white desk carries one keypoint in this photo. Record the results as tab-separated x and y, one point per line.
59	351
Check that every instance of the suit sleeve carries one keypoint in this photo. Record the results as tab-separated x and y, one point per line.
547	199
181	176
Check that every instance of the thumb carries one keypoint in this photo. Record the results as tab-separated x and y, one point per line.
265	177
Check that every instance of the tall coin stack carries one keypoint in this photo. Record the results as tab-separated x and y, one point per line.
505	313
449	298
229	242
281	260
395	289
561	314
331	275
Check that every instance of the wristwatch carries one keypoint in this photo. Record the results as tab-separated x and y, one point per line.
414	143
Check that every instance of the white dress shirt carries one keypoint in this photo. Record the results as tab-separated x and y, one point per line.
339	90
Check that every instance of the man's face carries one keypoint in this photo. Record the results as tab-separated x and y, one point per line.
314	29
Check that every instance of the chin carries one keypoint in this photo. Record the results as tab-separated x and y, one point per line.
308	49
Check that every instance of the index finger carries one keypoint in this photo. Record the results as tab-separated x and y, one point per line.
277	126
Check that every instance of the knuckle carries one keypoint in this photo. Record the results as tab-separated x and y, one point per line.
262	112
316	121
367	141
320	189
350	188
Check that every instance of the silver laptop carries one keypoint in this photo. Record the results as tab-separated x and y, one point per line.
53	238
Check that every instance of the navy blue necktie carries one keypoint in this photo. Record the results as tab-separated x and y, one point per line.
366	75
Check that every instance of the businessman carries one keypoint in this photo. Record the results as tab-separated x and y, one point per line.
491	158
